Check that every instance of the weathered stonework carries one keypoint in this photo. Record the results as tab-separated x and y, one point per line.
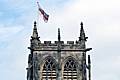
58	60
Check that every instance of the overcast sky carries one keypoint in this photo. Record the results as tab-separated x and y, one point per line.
101	20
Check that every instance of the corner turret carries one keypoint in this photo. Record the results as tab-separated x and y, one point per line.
35	38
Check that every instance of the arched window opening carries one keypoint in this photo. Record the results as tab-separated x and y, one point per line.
70	70
49	70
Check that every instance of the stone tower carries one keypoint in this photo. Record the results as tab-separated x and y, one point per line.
58	60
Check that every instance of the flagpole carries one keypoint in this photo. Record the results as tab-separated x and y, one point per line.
37	15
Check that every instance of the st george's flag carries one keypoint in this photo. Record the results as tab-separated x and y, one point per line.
43	13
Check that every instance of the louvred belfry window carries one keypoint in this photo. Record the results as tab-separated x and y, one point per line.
70	70
49	70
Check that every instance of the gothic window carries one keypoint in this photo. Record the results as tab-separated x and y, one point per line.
49	70
70	70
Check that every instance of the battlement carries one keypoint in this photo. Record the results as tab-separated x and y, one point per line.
57	42
70	42
47	42
61	42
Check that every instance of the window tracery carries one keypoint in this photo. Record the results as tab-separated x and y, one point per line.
49	70
70	70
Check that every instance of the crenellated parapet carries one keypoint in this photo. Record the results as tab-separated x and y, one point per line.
47	45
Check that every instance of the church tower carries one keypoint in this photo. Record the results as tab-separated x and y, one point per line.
58	60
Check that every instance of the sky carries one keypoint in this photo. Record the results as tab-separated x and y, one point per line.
101	23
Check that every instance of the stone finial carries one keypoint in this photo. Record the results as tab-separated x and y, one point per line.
81	24
35	33
35	24
59	34
82	33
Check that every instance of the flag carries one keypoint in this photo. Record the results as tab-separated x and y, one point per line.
43	13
